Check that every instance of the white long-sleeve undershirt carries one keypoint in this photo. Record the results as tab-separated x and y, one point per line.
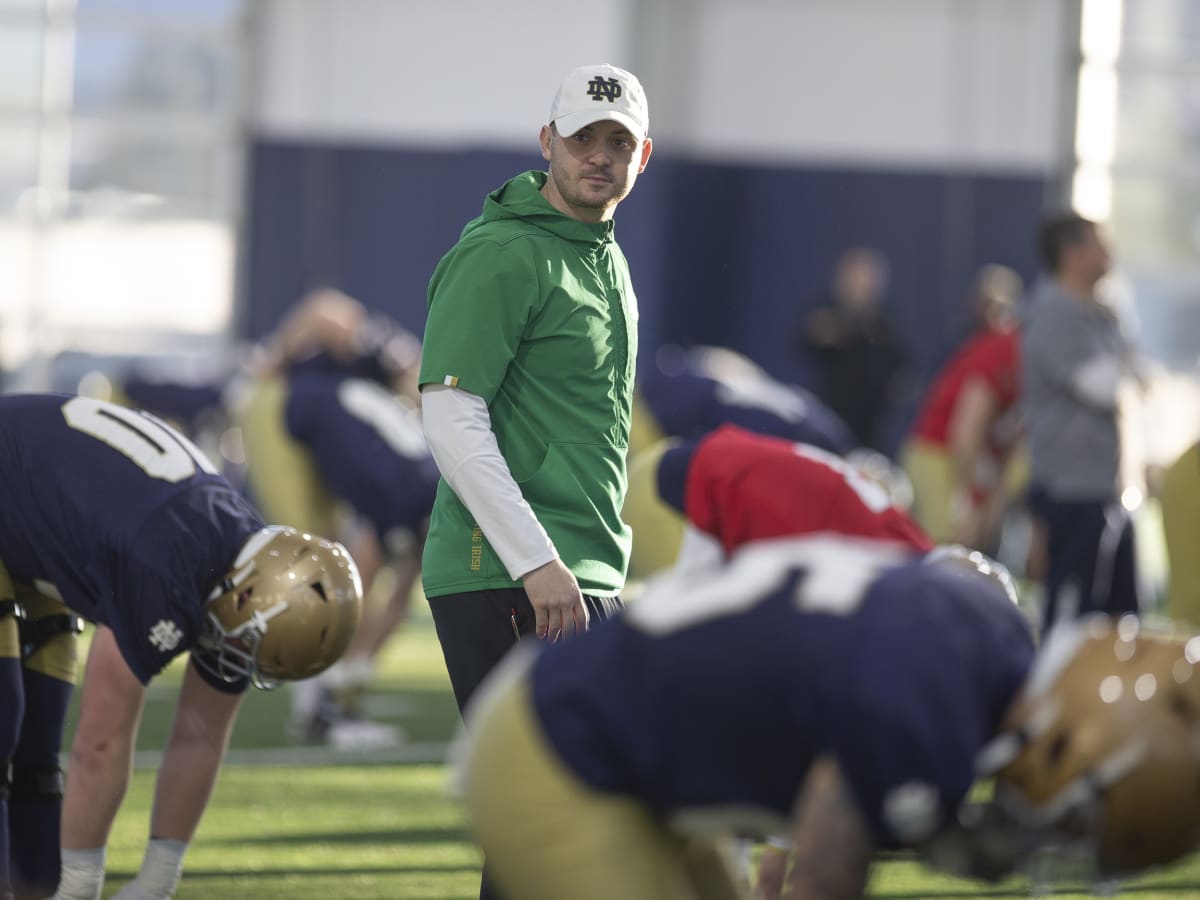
458	429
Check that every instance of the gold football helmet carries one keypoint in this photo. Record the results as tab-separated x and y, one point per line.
286	609
1103	744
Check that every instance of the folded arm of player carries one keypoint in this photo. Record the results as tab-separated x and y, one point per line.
324	319
832	842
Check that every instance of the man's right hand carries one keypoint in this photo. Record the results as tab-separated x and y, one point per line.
556	599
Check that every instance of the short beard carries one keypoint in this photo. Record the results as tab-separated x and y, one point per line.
578	199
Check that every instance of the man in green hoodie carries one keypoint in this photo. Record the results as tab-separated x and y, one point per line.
527	388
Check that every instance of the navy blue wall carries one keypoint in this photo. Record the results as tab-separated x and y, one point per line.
722	254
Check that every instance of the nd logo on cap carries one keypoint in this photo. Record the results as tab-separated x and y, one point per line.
600	92
604	89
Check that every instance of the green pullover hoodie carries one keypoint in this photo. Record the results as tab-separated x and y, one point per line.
535	312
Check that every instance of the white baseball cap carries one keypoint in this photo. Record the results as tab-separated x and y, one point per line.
596	93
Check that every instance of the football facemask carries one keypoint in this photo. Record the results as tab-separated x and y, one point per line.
1103	744
286	610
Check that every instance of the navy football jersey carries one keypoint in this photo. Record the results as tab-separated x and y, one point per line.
711	696
120	515
367	446
186	402
689	404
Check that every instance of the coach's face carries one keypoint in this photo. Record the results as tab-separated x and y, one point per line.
592	170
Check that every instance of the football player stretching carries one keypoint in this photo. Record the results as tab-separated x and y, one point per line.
110	516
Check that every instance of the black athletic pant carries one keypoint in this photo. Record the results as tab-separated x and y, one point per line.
1091	555
476	630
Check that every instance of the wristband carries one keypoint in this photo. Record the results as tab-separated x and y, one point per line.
82	874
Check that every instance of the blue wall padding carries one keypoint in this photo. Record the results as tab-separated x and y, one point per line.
721	253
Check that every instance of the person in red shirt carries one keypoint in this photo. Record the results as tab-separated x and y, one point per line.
737	486
960	449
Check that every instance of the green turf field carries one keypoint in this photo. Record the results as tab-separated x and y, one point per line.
300	823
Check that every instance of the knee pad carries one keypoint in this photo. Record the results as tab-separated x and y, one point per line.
49	644
12	708
12	615
36	633
27	783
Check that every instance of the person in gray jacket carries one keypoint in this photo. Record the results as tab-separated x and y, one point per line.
1074	357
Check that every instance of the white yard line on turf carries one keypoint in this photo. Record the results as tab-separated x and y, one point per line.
429	752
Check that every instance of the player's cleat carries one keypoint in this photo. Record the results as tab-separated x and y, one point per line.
307	731
344	733
332	723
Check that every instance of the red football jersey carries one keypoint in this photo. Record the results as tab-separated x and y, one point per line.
743	487
991	356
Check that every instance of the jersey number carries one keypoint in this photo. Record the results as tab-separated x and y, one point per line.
159	450
835	574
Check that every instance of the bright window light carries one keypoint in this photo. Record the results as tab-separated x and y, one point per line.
1096	120
1091	193
1096	107
1100	30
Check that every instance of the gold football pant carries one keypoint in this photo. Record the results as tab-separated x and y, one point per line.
58	656
657	527
549	836
1180	502
931	472
281	473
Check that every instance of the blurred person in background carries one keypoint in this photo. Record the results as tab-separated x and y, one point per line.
527	391
851	341
200	405
1179	499
334	444
331	332
688	393
111	516
324	412
960	447
1074	358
